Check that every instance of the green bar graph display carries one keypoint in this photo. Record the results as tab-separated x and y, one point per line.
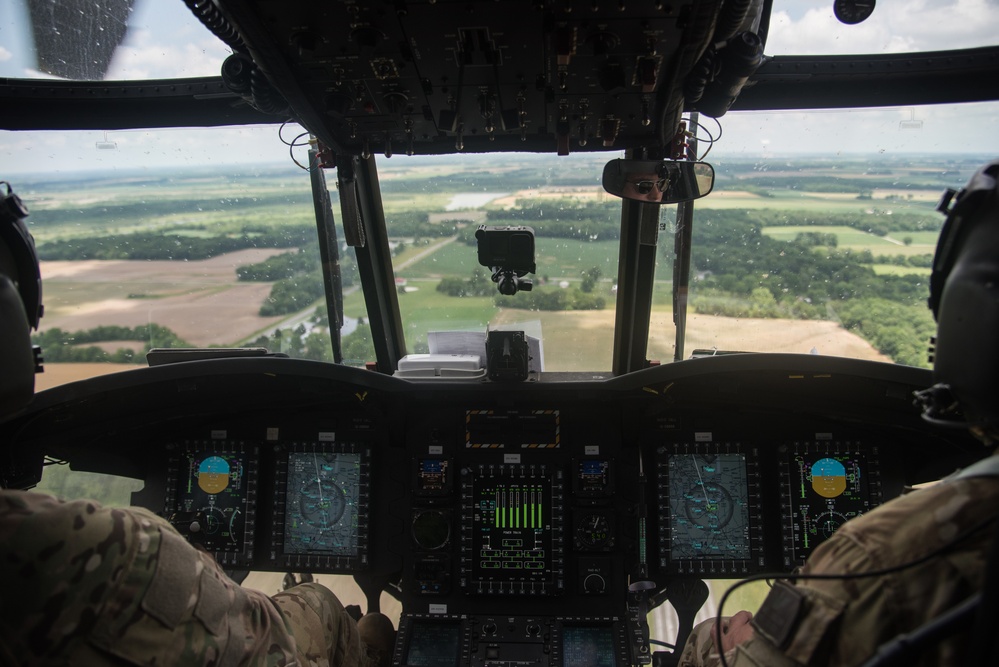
513	546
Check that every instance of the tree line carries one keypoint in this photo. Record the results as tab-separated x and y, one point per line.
72	346
297	277
743	273
172	246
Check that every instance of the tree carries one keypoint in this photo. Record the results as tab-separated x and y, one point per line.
357	346
590	278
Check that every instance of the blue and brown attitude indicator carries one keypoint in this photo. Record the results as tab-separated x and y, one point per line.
828	478
213	475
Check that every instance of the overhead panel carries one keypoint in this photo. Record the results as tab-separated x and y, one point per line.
442	77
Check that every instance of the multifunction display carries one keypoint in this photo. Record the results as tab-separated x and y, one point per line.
432	644
513	523
588	646
708	508
323	498
824	485
211	496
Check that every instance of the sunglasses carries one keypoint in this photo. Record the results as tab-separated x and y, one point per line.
645	187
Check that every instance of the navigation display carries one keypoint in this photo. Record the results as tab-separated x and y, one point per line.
708	503
433	644
511	520
325	494
588	646
211	496
824	485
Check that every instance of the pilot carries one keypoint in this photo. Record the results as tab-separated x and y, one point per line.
924	554
644	186
83	584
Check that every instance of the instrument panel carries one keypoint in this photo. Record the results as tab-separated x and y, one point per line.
517	523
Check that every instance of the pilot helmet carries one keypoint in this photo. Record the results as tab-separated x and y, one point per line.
20	305
964	298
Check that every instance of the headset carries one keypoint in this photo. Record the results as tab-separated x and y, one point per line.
964	298
20	304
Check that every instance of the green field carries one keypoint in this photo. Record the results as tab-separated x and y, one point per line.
893	270
846	236
810	202
393	202
849	238
559	259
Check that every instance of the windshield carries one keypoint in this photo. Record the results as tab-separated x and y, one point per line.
819	234
85	40
207	237
433	206
809	27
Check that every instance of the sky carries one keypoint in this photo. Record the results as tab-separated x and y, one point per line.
896	26
180	46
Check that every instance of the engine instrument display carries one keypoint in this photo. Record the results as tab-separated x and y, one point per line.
325	492
708	510
824	485
211	495
513	524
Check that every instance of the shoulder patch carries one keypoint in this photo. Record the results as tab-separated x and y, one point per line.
174	583
778	616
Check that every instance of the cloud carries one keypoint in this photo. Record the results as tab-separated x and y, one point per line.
946	128
145	57
5	55
896	27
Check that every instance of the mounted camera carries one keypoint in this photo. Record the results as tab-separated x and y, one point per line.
509	254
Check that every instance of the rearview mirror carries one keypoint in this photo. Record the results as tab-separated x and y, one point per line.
662	182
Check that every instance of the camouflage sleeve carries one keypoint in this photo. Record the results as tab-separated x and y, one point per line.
700	651
85	584
324	632
843	621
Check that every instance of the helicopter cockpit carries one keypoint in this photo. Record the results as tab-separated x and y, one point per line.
473	307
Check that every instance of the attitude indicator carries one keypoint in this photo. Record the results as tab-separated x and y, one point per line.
211	495
824	486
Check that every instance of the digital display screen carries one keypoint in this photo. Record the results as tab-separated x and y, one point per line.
433	644
323	503
513	536
826	486
709	506
588	646
511	519
211	496
432	477
593	478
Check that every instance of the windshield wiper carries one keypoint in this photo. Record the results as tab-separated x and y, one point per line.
329	253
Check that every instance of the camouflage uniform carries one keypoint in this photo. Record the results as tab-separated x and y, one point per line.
82	584
843	622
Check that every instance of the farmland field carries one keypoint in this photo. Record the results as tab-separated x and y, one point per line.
893	270
848	238
815	202
201	301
